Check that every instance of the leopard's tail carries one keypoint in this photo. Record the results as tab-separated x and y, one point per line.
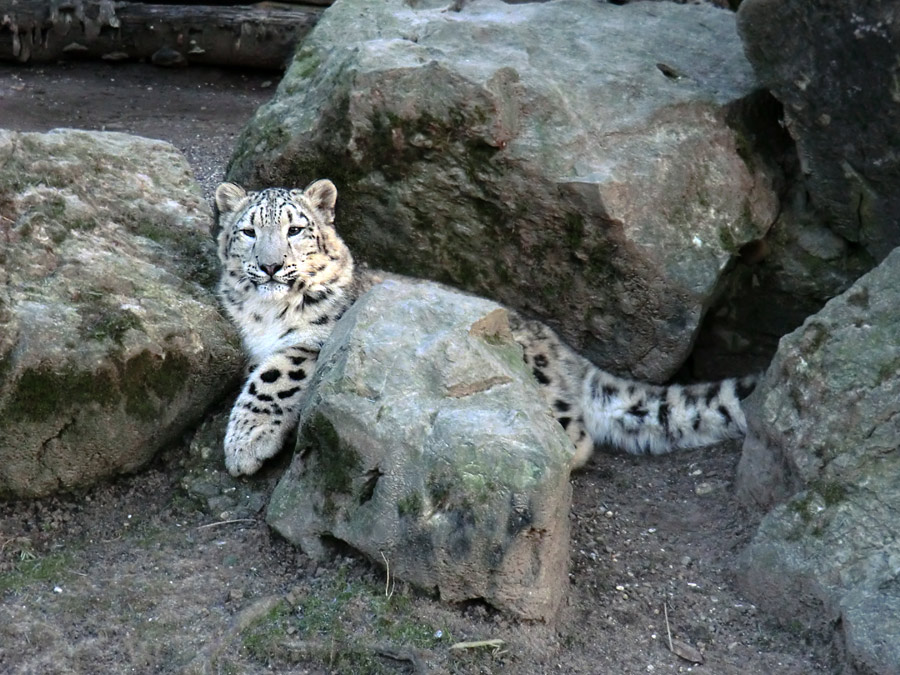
649	419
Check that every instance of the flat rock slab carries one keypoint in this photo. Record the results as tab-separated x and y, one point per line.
571	159
111	342
427	446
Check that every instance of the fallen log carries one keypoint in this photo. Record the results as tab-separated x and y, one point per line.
42	31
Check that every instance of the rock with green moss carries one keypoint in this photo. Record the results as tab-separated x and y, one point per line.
427	446
824	444
571	159
111	342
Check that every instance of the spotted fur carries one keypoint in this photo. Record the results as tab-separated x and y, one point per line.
598	408
288	277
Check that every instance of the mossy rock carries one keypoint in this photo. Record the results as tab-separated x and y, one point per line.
111	342
447	463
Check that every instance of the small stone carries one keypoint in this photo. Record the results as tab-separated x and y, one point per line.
168	58
704	488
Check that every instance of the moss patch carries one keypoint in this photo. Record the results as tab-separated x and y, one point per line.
336	463
341	623
105	322
45	392
574	230
32	570
305	63
832	492
410	505
265	635
147	374
194	251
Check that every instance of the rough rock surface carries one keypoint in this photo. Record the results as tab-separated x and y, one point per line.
825	436
111	342
206	480
832	63
799	266
427	446
571	159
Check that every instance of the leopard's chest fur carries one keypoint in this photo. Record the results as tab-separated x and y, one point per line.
269	324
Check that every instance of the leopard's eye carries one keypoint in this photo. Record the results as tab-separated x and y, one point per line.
249	232
294	231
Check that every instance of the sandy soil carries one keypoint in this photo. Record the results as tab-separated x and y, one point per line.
173	570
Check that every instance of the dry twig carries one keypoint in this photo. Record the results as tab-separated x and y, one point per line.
681	649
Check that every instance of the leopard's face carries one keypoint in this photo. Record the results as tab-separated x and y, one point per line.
272	240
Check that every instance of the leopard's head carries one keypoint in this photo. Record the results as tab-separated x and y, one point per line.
278	240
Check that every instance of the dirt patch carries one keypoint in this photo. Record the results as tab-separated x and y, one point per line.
173	570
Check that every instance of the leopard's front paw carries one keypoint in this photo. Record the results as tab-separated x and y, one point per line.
247	448
239	460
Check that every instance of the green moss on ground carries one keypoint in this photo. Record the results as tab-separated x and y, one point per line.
36	570
346	624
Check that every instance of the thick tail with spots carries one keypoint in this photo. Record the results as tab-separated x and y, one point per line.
648	419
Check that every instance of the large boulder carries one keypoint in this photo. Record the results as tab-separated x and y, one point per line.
111	342
824	444
427	446
833	64
571	159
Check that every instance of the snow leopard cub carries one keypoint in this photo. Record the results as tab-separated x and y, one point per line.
288	277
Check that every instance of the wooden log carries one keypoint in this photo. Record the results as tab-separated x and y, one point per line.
42	31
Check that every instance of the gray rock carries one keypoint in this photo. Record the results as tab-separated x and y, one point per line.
570	159
427	446
786	277
832	63
111	342
824	435
217	492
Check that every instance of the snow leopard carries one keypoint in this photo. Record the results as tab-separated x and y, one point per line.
288	277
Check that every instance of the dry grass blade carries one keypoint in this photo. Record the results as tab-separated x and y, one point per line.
494	644
226	522
668	630
388	589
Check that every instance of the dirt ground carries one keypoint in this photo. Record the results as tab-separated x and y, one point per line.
173	570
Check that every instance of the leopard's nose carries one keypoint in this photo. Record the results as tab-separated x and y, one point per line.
272	269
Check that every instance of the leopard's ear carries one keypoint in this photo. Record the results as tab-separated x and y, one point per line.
229	196
322	195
